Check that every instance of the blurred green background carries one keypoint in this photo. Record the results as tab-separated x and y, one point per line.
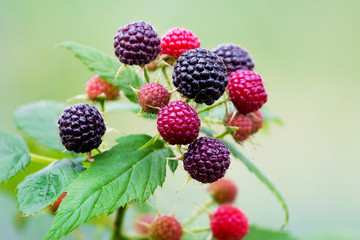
307	52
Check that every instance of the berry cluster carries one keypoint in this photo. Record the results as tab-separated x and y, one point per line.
200	76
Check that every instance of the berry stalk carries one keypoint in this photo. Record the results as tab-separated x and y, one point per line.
119	220
41	159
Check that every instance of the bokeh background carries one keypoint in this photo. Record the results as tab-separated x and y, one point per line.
307	52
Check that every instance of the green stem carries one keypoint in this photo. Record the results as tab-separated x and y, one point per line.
221	135
213	106
135	237
41	159
146	75
163	69
102	105
200	230
198	213
117	234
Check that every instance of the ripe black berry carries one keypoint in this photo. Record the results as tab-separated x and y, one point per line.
207	159
81	127
234	57
136	43
200	75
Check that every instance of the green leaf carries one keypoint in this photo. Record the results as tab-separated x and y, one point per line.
128	106
257	233
14	155
42	188
173	164
106	67
127	78
38	120
252	168
116	177
96	61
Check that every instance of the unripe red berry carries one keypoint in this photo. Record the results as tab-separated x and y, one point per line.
178	41
229	223
165	228
243	124
178	123
223	191
97	86
153	97
257	120
246	91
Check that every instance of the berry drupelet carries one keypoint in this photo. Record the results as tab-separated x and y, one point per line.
207	159
152	97
137	43
178	123
234	57
178	41
200	75
246	91
81	128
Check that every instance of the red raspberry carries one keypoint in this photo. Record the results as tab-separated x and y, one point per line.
178	123
257	121
229	223
223	191
177	41
243	124
140	227
56	204
153	97
165	228
97	86
246	91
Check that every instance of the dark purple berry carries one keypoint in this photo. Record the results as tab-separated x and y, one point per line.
81	127
207	159
200	75
137	43
234	57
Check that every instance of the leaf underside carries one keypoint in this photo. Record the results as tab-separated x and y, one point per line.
14	155
116	177
38	120
42	188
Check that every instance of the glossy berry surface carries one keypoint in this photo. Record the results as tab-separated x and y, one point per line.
54	207
243	124
257	120
81	127
97	86
229	223
178	41
165	228
178	123
207	159
136	43
223	191
200	75
246	91
152	97
234	57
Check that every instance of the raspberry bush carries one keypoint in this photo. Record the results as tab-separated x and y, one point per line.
91	177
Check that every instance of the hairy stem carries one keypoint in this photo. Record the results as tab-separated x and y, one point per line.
146	75
163	69
41	159
221	135
213	106
200	230
119	220
198	213
102	105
